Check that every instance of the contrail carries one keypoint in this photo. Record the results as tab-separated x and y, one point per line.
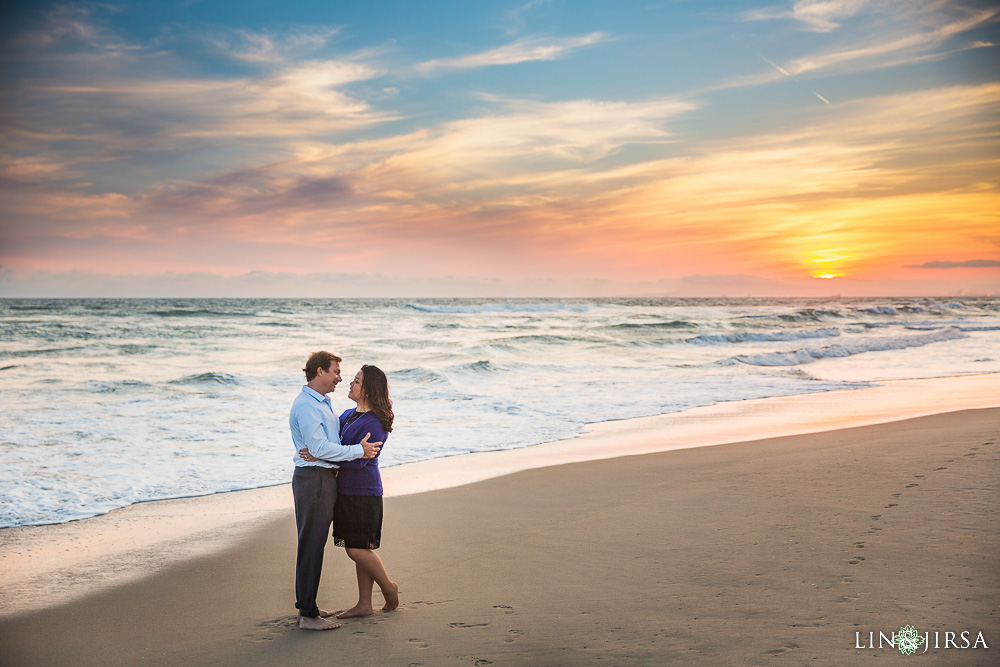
785	72
777	67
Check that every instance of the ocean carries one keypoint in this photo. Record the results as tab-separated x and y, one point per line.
109	402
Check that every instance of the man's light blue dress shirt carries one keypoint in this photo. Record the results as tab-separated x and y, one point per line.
315	427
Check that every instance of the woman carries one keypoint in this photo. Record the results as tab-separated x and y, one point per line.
357	516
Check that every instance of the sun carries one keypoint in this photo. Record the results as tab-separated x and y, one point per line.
829	260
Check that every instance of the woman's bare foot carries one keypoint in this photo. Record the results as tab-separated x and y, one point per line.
324	613
357	610
391	595
306	623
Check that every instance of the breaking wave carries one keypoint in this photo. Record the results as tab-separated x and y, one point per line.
503	308
208	378
646	326
767	336
808	355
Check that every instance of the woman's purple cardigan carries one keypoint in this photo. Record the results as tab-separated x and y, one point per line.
360	477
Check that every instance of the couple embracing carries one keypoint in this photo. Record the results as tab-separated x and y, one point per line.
337	482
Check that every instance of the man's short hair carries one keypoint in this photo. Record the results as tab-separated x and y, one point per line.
318	360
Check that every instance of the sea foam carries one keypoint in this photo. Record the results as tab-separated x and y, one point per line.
808	355
503	308
766	336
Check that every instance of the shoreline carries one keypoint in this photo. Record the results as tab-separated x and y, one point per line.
71	560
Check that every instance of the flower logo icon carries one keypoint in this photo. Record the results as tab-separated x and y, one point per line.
908	640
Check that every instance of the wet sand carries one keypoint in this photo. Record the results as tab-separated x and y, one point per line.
775	550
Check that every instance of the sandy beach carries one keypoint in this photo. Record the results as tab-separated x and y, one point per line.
775	550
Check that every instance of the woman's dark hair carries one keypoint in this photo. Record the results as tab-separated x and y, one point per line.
375	389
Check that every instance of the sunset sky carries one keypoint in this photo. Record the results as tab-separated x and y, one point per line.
540	148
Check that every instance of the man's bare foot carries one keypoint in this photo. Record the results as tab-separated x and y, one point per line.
357	610
306	623
391	595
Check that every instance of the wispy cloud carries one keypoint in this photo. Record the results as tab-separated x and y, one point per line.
74	26
520	132
912	45
515	17
523	50
268	47
895	33
521	152
33	169
817	15
82	104
113	116
972	263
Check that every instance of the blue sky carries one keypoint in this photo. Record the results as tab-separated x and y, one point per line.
504	149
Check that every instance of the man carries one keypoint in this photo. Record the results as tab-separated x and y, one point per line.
314	485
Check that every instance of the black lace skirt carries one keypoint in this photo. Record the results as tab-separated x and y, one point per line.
357	522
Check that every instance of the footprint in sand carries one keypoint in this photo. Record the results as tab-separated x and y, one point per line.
942	468
859	545
467	625
911	485
413	605
784	648
876	517
892	505
918	476
513	636
507	609
481	661
856	560
896	495
374	619
419	643
273	628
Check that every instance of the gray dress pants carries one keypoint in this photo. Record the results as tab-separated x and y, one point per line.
314	491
